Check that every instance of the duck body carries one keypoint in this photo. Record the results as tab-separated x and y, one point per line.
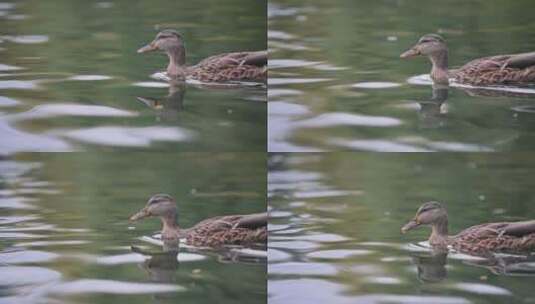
511	237
226	230
218	231
236	66
496	70
514	69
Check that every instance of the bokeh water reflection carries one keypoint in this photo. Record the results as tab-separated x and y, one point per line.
336	218
337	82
71	80
65	235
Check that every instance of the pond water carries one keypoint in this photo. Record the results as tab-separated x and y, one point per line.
336	218
65	235
71	80
337	82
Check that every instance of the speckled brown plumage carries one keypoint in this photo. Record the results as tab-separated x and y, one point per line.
493	237
491	71
219	231
241	66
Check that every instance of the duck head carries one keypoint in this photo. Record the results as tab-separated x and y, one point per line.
159	205
172	43
430	213
434	47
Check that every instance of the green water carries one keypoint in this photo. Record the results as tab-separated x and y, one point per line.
71	78
337	82
65	235
336	218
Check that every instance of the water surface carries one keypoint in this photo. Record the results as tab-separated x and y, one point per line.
65	235
71	80
336	218
337	82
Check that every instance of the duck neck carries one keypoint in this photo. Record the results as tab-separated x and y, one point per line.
439	71
439	233
177	61
170	229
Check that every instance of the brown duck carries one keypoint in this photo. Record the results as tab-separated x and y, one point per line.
213	232
515	69
512	237
238	66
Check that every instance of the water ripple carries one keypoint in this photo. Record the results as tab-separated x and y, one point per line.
341	119
126	136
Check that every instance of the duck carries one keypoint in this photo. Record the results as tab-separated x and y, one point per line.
244	230
482	239
236	66
515	69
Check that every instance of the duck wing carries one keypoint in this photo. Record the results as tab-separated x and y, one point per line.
519	229
252	221
521	61
258	59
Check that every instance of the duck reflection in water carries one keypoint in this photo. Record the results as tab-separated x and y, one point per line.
431	266
433	112
167	107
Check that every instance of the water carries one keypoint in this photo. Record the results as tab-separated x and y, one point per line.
71	80
65	235
336	218
337	82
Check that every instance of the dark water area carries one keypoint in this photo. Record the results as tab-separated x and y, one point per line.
65	235
337	82
71	80
336	218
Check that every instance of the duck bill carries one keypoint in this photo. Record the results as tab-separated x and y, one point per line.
409	226
413	52
148	48
143	213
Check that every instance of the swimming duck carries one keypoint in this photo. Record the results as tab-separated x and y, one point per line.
212	232
516	69
513	237
238	66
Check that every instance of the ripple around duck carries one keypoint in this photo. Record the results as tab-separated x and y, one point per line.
345	119
128	258
26	256
6	67
275	255
280	35
338	254
282	81
26	39
126	137
89	77
376	145
290	63
286	109
289	176
301	291
324	193
376	85
24	275
272	93
300	268
151	84
19	84
479	288
68	109
85	286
